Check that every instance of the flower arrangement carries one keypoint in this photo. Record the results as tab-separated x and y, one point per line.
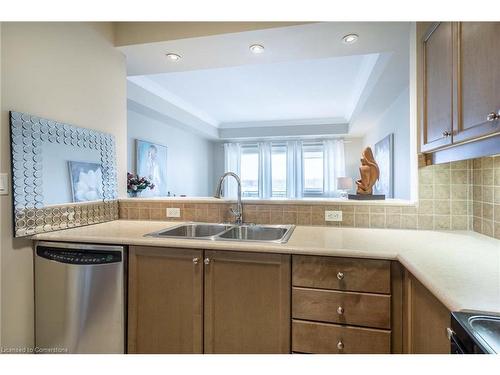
136	184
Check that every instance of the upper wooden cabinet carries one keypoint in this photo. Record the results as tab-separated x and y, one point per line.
461	83
247	302
478	78
438	87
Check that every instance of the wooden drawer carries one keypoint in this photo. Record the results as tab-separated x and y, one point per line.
360	275
361	309
323	338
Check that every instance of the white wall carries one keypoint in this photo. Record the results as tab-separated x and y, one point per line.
396	119
218	162
68	72
190	157
150	32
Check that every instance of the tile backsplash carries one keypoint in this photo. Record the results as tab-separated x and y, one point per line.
486	196
445	202
444	196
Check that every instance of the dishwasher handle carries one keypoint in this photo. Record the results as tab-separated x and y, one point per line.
79	257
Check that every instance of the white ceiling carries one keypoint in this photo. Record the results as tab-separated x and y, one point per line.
307	89
306	75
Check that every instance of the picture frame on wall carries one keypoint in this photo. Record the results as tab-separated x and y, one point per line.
151	162
86	181
384	156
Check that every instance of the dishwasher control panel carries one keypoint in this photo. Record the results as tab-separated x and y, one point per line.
79	257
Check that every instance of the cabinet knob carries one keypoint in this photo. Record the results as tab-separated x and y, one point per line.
340	345
446	133
493	116
196	260
207	261
340	275
340	310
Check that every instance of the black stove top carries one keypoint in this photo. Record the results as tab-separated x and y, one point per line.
475	332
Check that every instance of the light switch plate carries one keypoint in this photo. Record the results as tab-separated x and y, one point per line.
173	212
4	184
333	215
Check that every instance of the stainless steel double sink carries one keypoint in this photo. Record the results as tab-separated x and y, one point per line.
228	232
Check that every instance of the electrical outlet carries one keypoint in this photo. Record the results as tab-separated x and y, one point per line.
173	212
333	215
4	184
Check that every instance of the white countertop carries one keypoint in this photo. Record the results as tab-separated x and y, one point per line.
461	268
280	201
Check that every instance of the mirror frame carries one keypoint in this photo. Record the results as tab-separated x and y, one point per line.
28	133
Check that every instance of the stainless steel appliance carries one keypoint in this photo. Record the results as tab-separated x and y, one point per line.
228	232
474	332
79	298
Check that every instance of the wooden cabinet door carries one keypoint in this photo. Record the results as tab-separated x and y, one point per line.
165	300
437	116
247	302
425	320
478	77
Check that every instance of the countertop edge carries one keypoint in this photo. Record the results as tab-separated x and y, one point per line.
254	247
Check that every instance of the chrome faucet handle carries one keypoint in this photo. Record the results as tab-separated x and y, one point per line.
493	116
237	215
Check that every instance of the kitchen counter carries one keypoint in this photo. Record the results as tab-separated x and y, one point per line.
461	268
279	201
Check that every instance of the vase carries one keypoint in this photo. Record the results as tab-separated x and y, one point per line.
134	194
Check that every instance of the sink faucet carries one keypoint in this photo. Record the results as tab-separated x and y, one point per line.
238	213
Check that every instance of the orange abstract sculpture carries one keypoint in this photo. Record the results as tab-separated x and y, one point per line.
369	172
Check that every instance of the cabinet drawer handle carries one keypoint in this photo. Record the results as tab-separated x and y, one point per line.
493	116
446	133
340	275
340	345
207	261
196	260
340	310
450	333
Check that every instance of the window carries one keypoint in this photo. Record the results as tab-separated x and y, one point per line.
250	171
278	170
313	156
282	169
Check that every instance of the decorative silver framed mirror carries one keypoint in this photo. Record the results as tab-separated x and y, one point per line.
62	175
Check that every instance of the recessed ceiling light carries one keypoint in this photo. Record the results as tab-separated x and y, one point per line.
257	48
173	56
350	38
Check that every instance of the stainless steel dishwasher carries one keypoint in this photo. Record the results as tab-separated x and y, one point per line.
79	298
